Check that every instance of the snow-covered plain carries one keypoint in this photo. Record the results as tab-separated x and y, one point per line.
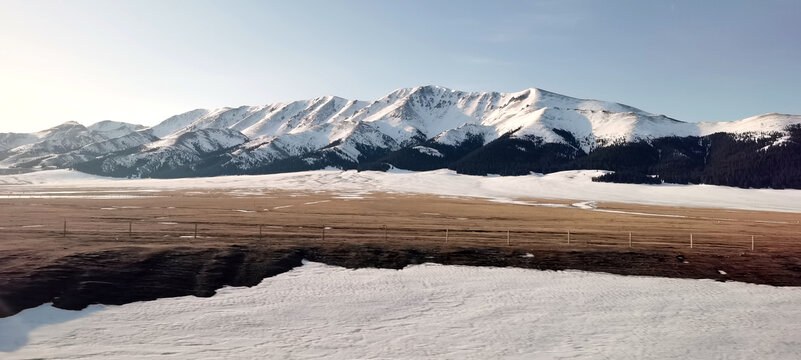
429	311
573	185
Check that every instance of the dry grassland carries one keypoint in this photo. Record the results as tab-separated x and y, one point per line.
288	219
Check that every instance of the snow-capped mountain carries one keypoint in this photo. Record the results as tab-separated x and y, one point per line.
178	155
67	137
12	140
420	128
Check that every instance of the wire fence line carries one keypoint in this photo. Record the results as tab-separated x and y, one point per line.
168	230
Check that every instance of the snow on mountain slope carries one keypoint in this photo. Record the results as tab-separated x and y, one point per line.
202	140
266	120
178	122
224	118
299	116
273	120
56	130
425	112
114	129
174	154
772	122
330	130
593	123
276	131
12	140
47	147
61	130
411	115
60	139
132	140
210	140
363	136
345	140
462	133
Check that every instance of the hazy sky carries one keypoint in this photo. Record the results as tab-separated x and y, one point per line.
142	61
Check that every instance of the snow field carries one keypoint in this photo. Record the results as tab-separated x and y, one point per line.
573	185
430	311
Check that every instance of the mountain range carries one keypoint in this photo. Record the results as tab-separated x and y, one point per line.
424	128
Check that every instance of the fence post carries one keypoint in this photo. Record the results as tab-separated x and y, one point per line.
323	232
752	242
568	236
195	230
691	240
385	233
508	238
629	238
446	236
65	228
130	229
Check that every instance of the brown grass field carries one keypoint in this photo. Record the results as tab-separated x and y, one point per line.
299	218
139	246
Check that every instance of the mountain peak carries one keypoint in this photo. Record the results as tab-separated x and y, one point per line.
67	124
432	124
432	87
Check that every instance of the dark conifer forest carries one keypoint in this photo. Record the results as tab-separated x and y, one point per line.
717	159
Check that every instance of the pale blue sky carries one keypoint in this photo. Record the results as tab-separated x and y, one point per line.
142	61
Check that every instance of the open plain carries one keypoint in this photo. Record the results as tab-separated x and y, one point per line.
79	246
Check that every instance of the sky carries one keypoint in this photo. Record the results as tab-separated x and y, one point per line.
143	61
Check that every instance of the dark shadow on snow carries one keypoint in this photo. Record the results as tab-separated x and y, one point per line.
15	330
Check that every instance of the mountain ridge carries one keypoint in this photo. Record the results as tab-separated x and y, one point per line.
163	129
437	126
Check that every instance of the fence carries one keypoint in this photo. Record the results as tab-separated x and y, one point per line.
478	235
